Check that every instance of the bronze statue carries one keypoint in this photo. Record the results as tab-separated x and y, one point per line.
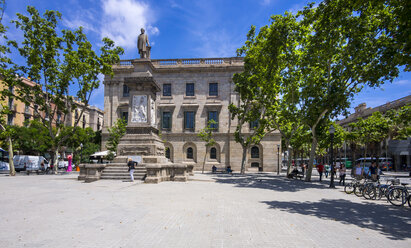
143	45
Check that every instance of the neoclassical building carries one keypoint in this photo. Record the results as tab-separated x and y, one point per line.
190	93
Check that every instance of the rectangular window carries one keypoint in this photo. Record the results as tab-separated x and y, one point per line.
189	120
166	120
189	89
10	103
27	109
126	91
166	89
213	89
26	120
254	124
10	118
124	115
213	115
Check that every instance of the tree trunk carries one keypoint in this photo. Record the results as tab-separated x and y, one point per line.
288	160
11	163
55	160
243	160
205	157
311	162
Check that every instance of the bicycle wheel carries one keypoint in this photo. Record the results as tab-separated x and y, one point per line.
372	193
409	201
349	188
358	190
369	192
380	192
397	196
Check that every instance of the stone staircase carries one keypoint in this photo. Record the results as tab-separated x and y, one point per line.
118	170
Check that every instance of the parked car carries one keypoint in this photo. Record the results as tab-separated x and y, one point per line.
30	163
385	163
382	162
4	160
63	164
4	166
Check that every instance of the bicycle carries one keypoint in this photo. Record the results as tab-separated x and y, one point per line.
398	195
349	187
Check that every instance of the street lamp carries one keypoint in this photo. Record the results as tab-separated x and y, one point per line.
278	159
81	152
332	131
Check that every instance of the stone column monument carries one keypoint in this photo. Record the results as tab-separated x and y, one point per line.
142	136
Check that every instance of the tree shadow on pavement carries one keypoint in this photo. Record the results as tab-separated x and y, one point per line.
268	181
393	222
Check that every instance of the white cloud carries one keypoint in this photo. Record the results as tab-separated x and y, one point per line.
76	23
265	2
403	82
216	44
122	20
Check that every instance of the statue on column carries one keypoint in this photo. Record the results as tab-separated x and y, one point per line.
143	45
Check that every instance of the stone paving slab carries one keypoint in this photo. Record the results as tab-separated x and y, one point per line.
255	210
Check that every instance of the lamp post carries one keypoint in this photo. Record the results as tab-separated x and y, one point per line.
81	152
332	131
278	159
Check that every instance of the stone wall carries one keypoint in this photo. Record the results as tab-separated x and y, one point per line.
201	72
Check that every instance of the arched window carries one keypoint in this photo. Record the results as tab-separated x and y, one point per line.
213	153
255	152
190	153
168	152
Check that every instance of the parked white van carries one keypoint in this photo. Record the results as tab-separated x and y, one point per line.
30	163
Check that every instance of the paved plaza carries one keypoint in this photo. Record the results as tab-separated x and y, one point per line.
255	210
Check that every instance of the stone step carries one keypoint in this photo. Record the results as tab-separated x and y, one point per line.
109	177
123	169
123	174
119	171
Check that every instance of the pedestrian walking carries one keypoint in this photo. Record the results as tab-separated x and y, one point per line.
327	170
342	174
358	172
320	169
131	166
373	171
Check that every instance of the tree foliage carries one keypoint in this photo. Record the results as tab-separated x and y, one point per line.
59	64
117	131
206	135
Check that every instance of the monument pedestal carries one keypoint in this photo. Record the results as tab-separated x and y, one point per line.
142	136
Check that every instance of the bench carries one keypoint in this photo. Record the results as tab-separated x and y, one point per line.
220	170
298	175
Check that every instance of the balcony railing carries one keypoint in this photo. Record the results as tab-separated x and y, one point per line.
188	62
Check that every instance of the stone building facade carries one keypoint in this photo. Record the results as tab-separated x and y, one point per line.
192	92
398	150
21	113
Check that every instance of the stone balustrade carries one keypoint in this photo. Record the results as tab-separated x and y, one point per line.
188	62
90	172
157	173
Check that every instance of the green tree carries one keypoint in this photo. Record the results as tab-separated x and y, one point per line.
400	122
268	86
117	131
206	135
371	132
347	49
88	138
7	77
59	64
32	139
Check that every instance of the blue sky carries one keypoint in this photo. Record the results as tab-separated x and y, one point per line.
181	29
